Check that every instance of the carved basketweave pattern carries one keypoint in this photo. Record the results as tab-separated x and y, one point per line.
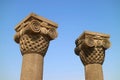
34	43
92	56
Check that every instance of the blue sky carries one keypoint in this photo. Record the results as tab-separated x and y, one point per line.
73	17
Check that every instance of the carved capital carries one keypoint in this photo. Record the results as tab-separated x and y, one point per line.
91	46
34	33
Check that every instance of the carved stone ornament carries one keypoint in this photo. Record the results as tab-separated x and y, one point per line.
91	46
34	33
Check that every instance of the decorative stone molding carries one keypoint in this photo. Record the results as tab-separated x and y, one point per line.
91	46
34	33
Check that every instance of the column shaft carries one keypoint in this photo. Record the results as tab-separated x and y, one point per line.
34	34
93	72
32	67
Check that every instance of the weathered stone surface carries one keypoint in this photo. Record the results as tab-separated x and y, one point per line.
91	46
34	34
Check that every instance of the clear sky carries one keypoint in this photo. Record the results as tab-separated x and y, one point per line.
73	18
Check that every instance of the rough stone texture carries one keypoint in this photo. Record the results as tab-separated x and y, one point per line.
91	46
34	43
34	34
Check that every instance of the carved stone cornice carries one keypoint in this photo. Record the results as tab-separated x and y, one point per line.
91	46
34	33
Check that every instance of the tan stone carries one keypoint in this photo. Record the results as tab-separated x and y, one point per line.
93	72
91	46
34	34
32	67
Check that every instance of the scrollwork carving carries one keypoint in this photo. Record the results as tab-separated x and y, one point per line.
91	48
106	43
35	26
89	42
34	34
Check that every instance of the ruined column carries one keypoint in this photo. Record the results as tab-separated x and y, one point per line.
34	34
91	46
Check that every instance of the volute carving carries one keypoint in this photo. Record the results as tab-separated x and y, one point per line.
34	33
91	47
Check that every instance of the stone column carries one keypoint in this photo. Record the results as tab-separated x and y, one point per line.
91	46
34	34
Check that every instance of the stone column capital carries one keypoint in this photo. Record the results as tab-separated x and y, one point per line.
34	33
91	46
